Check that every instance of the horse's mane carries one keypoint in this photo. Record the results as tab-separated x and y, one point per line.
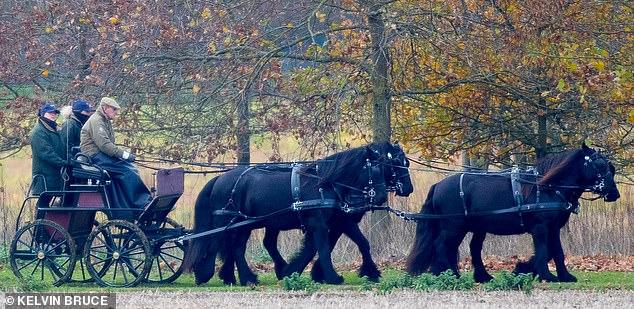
556	165
338	165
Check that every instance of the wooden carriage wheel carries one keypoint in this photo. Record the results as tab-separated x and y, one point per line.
43	251
117	254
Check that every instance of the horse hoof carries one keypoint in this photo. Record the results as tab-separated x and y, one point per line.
523	268
336	280
482	277
250	282
374	277
317	274
229	282
567	278
548	278
279	271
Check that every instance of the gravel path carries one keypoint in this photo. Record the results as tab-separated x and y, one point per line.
365	300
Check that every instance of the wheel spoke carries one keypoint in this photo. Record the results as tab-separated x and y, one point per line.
172	247
81	267
35	268
56	246
168	264
104	242
50	240
160	269
42	275
131	267
172	256
29	263
30	246
114	277
125	277
54	269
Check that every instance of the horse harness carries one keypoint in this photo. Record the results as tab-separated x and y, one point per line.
299	205
520	208
346	202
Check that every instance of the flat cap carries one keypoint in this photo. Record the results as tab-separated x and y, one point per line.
110	102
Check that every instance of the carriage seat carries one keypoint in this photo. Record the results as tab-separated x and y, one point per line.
83	168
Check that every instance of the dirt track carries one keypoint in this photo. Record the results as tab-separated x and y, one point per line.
364	300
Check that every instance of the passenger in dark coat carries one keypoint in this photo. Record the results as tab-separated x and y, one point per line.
71	129
48	154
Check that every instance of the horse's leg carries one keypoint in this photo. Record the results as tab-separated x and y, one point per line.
247	277
320	236
205	267
480	273
527	267
540	241
557	253
226	272
453	244
351	229
441	261
270	244
368	267
306	254
316	273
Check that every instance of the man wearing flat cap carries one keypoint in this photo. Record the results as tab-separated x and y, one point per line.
48	154
97	141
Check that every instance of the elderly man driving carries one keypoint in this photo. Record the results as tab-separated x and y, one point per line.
98	142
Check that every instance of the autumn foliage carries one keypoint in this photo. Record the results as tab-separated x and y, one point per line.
504	81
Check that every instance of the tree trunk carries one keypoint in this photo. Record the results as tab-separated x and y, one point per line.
541	147
379	77
380	220
243	133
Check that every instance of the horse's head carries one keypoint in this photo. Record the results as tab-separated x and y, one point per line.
372	178
396	170
598	174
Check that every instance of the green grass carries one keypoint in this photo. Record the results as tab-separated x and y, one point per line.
268	282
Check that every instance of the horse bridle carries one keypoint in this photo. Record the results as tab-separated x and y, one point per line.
394	184
361	196
599	183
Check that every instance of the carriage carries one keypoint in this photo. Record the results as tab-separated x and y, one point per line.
65	243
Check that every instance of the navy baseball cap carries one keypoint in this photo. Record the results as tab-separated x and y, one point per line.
82	106
48	108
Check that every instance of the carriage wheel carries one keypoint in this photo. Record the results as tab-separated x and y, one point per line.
117	254
167	261
44	251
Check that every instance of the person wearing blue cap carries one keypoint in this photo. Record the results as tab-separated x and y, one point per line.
48	154
71	129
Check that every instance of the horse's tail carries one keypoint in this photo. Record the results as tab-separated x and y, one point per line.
197	259
422	252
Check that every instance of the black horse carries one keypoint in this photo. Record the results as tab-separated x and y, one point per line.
354	176
486	203
397	177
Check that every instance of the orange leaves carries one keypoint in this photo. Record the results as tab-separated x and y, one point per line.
206	13
44	73
114	20
320	16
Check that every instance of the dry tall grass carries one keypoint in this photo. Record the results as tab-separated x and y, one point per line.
600	228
